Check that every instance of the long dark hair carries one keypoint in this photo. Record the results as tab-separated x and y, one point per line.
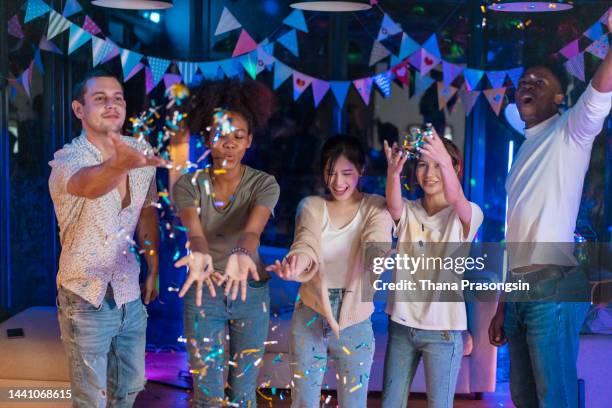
341	145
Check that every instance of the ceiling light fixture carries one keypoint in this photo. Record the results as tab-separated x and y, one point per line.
332	6
134	4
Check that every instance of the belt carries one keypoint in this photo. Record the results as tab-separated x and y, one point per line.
550	272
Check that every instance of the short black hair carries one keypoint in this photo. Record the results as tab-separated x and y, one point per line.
251	99
342	145
79	89
555	66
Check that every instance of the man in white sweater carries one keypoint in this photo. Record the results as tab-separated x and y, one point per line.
544	190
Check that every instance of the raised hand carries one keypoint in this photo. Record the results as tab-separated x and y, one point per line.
396	158
434	149
127	158
200	268
290	268
239	267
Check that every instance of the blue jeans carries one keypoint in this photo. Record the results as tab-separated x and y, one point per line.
442	351
105	348
543	343
312	342
205	330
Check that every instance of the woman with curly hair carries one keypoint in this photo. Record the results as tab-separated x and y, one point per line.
225	210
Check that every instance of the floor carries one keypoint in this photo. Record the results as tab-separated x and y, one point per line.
162	396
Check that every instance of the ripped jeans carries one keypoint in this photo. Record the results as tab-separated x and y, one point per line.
105	348
442	351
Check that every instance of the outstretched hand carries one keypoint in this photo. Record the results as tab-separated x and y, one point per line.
290	267
200	268
127	158
434	149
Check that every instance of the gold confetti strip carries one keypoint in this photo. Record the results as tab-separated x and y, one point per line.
355	388
346	350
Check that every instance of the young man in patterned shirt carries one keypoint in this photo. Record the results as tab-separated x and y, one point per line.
103	189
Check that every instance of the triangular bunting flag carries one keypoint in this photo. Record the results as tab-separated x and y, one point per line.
296	20
99	49
57	24
91	27
421	83
231	67
129	59
149	84
249	63
35	9
113	51
245	44
515	75
47	45
133	72
383	82
319	89
472	77
378	52
14	27
187	70
445	93
496	78
300	83
570	50
424	61
450	72
575	66
594	32
264	58
388	27
468	99
289	41
25	79
431	46
496	98
158	68
604	16
227	22
600	47
364	88
77	38
340	89
281	73
38	61
171	79
408	47
210	70
71	8
402	72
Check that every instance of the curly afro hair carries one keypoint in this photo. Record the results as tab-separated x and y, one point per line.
250	99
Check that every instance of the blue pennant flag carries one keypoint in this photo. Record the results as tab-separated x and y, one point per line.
289	41
340	90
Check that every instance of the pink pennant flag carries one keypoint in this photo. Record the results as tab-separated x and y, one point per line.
450	72
445	93
468	99
319	90
364	87
91	27
575	66
402	72
570	50
423	61
133	72
300	83
149	84
113	51
14	27
245	44
495	97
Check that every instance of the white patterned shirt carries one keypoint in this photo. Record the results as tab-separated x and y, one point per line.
96	234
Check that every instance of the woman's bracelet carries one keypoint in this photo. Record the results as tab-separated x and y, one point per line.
241	250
